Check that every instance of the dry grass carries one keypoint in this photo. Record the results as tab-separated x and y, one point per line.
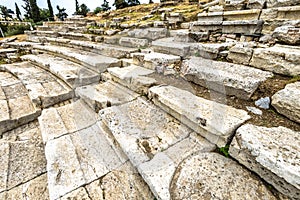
20	38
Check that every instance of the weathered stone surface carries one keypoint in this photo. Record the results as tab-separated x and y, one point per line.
22	159
93	61
73	74
223	77
79	194
77	159
280	59
241	53
105	95
35	189
133	77
204	26
149	33
256	4
273	153
133	42
209	50
210	16
243	27
168	46
159	171
210	175
16	108
43	88
287	34
287	101
280	3
215	122
154	60
187	36
234	4
142	129
239	15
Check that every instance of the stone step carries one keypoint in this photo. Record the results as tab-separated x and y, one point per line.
156	61
272	153
98	48
133	42
149	33
133	77
214	121
247	27
287	101
252	14
104	95
154	141
93	61
280	59
22	159
211	51
168	46
16	107
44	89
184	35
212	176
241	52
73	74
223	77
75	142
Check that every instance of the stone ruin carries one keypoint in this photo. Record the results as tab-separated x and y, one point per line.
150	112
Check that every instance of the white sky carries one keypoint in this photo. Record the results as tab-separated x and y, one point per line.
68	4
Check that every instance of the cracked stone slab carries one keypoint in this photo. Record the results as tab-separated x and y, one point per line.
44	88
133	42
122	183
209	50
153	60
159	171
133	77
168	46
214	121
272	153
227	78
142	129
241	53
287	101
16	108
34	189
149	33
56	122
212	176
22	159
96	62
281	59
73	74
105	95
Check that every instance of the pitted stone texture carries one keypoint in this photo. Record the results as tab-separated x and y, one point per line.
133	77
279	59
153	60
16	108
241	53
142	129
282	3
287	101
149	33
273	153
77	159
43	88
212	176
159	171
209	50
243	27
186	36
168	46
104	95
256	4
96	62
234	4
73	74
36	189
215	122
56	122
133	42
22	158
287	34
223	77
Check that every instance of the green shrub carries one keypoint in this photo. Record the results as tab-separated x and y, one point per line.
16	29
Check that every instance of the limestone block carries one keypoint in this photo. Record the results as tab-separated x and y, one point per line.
272	153
287	101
